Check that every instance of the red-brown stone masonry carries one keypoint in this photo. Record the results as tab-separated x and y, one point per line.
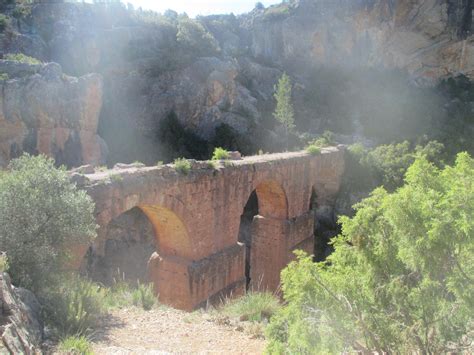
208	204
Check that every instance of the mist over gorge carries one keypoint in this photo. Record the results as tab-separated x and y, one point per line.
166	86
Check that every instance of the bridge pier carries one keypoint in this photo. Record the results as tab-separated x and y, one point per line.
273	243
187	284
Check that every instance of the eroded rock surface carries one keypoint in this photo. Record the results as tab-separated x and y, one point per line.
429	38
21	328
42	110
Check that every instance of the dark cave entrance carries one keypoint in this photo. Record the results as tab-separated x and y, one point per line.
130	242
245	231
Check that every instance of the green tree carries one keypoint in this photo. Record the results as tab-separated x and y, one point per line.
400	279
41	214
194	37
284	112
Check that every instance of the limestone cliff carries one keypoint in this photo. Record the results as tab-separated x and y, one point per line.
149	72
44	111
429	38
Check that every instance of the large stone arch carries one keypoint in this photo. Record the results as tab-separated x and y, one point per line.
171	234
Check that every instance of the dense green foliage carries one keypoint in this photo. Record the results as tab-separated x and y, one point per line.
194	37
387	164
400	278
313	149
41	214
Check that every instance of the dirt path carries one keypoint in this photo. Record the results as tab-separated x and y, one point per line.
169	331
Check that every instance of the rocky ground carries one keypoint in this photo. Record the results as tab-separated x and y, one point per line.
165	330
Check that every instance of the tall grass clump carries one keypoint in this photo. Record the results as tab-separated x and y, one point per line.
143	296
75	345
253	306
75	306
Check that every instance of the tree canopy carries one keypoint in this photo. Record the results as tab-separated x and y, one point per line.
41	214
400	278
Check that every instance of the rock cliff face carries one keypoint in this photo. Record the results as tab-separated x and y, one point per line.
429	38
21	330
44	111
149	73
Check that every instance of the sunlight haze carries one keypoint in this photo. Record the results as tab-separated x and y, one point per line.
200	7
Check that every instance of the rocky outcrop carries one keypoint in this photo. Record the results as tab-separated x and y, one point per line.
429	38
45	111
147	73
21	330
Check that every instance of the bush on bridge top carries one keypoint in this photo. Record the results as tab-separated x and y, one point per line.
220	154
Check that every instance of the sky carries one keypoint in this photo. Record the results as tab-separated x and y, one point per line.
200	7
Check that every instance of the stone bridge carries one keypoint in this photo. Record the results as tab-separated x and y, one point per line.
214	231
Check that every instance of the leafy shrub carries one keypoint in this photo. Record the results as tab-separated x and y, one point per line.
326	140
75	345
74	306
4	76
144	296
41	214
220	154
313	149
254	306
182	166
22	58
399	280
4	21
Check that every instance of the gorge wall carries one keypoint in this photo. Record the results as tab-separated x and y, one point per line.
215	74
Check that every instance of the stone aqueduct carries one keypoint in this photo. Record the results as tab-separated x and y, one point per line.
196	219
